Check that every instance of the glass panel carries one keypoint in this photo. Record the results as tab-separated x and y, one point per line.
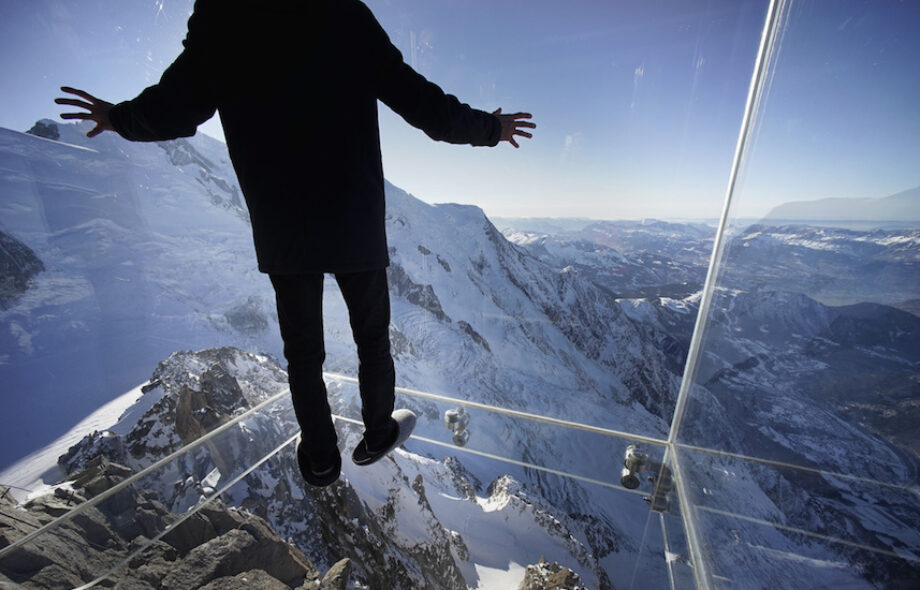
484	532
124	502
613	535
762	522
798	448
542	325
640	105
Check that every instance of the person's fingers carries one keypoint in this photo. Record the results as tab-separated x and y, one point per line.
77	116
74	103
95	130
512	124
80	93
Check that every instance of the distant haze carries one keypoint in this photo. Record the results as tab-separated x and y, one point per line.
903	206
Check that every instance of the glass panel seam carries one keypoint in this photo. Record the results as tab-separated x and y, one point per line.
783	465
700	569
667	552
513	413
755	92
792	529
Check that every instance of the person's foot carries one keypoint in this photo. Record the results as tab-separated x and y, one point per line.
322	474
403	424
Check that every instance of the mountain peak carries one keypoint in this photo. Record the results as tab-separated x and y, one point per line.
45	128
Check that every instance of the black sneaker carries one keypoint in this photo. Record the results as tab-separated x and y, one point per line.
404	422
322	475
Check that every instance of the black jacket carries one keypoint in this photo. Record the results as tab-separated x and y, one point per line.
296	84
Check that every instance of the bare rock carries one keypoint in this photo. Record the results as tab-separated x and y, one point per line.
99	475
550	576
251	580
192	532
424	296
248	317
253	546
337	577
45	128
18	264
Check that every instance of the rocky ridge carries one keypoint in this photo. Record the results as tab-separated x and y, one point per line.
18	264
394	540
217	547
550	576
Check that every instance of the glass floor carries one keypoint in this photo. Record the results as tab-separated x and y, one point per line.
665	496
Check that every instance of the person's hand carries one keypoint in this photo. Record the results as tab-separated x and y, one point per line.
512	124
98	110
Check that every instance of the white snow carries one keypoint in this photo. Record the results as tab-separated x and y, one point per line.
39	469
492	578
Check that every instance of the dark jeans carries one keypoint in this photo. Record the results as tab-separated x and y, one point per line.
300	314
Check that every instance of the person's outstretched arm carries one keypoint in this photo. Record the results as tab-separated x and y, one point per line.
426	106
174	107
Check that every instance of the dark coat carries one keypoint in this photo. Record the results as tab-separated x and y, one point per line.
296	84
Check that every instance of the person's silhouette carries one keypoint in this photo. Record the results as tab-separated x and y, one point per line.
296	84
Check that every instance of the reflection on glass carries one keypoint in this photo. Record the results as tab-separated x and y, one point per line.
798	464
159	517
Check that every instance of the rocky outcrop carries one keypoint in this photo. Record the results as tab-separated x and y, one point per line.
223	191
18	264
476	336
45	128
218	547
550	576
189	394
401	285
194	392
587	539
257	579
337	577
248	317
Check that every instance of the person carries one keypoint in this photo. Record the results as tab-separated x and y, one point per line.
296	84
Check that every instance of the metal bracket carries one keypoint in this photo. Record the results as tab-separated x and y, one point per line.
635	462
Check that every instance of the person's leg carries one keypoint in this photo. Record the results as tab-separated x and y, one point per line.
368	302
300	316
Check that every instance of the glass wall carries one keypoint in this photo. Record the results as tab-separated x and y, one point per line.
797	446
578	422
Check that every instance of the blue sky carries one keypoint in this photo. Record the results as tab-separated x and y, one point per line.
638	104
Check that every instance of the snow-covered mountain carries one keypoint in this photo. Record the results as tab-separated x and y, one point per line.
647	258
833	265
146	251
792	380
139	263
119	229
412	521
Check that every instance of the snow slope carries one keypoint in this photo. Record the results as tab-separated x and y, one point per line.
120	228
